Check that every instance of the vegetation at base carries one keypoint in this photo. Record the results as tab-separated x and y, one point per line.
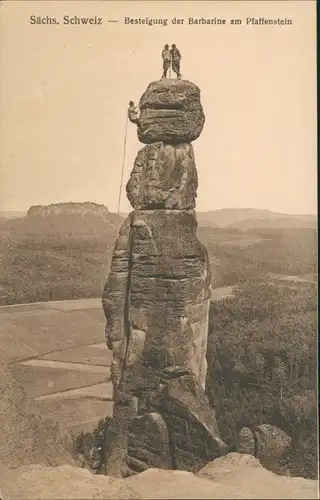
262	365
86	442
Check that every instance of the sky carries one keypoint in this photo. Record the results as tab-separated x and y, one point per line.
64	92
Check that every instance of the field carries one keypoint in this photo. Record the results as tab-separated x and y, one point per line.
58	354
45	330
77	413
95	354
38	381
56	350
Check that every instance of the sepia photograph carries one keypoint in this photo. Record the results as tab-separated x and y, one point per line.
158	250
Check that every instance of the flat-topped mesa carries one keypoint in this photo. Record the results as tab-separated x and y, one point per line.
170	111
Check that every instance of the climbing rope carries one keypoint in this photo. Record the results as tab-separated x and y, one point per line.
122	170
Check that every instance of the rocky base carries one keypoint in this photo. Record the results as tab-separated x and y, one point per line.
232	476
269	444
183	435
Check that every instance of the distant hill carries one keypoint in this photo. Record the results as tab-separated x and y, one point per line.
124	215
69	208
205	221
11	214
91	217
276	223
63	251
247	218
56	247
65	218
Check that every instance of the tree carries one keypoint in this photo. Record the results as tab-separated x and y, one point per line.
262	349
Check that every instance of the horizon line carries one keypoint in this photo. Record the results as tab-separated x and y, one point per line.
25	210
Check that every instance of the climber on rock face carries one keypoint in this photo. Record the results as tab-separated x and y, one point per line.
157	328
166	56
133	112
176	58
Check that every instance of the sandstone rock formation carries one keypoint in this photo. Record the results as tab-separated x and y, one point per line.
272	447
148	443
163	176
156	299
267	443
170	112
246	442
230	477
70	208
38	481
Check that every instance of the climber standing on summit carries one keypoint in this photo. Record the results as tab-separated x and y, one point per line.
176	58
166	56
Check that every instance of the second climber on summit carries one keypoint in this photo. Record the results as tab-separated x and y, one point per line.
176	58
166	56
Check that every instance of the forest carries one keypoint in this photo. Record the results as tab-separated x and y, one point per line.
290	252
51	265
262	365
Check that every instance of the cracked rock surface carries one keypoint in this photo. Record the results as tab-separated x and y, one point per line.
156	299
